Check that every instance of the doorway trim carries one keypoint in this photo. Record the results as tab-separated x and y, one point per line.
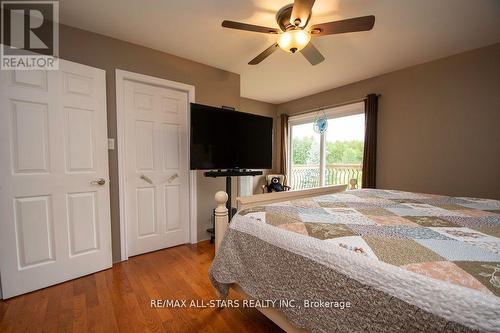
120	77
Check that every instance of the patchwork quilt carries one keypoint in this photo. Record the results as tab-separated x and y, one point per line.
406	261
451	239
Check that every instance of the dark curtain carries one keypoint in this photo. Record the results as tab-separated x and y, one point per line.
370	151
284	144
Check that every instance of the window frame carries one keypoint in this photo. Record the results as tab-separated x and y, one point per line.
309	117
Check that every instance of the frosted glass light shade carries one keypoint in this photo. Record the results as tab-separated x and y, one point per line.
293	40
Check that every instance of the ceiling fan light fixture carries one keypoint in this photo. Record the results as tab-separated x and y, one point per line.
295	35
292	41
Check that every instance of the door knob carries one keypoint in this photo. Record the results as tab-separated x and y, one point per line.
100	181
172	178
146	179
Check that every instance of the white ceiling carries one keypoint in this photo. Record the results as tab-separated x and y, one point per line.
406	32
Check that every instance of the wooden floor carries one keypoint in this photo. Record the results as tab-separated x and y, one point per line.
118	299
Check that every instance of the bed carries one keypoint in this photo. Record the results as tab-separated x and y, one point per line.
401	260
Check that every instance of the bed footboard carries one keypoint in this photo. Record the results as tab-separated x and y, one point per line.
221	212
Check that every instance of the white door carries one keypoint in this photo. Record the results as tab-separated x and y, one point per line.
55	219
156	167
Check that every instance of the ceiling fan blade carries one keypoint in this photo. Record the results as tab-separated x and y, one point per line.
264	54
362	23
301	12
248	27
312	54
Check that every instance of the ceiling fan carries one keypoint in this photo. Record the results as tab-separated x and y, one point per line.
294	37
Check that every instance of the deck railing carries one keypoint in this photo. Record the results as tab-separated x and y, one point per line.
307	176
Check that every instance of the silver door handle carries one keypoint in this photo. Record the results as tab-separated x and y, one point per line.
172	178
146	179
100	182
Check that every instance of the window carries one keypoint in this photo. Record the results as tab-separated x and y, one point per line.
305	156
332	158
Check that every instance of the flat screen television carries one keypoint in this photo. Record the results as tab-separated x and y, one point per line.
227	139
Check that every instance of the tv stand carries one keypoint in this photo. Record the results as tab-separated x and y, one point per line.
228	174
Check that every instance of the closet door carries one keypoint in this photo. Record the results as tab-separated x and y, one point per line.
156	167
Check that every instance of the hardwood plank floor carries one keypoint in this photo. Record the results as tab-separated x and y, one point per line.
118	299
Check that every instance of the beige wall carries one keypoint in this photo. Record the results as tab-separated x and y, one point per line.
213	87
439	124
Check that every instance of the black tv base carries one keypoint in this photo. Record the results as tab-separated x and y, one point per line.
228	174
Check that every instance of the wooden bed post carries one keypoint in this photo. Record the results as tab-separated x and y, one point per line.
221	218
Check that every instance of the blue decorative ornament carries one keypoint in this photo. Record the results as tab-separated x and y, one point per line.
320	123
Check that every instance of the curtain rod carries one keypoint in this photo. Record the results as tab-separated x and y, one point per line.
331	106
